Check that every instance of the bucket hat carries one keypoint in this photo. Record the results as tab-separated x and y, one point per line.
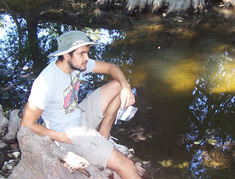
70	41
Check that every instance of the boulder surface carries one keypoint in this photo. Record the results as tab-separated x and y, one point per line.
41	158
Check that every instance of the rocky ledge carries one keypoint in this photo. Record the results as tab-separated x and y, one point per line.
29	155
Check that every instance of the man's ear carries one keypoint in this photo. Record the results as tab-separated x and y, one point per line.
66	56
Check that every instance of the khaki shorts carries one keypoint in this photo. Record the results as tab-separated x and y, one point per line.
86	140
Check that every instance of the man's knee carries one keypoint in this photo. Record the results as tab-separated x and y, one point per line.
111	88
116	85
108	93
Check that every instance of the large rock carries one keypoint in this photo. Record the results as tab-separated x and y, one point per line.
41	158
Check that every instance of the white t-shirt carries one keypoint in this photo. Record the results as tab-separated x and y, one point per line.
52	92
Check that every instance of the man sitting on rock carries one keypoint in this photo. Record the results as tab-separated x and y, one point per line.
82	128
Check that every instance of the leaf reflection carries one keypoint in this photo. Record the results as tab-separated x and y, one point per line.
212	120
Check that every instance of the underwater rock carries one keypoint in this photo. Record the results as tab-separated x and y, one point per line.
217	157
138	134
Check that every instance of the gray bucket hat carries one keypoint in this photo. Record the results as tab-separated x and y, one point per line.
70	41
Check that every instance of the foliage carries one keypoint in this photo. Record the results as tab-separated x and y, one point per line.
211	121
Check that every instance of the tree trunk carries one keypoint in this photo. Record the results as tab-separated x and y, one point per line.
32	24
135	6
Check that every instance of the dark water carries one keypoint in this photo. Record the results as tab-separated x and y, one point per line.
183	75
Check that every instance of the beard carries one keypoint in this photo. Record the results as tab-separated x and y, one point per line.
75	68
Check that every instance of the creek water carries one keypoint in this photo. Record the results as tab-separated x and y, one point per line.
182	72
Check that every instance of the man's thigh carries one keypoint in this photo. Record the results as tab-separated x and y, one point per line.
108	92
89	144
92	114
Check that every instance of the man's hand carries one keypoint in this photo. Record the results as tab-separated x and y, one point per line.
127	97
31	115
75	162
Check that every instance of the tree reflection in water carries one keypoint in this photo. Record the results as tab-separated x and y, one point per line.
212	120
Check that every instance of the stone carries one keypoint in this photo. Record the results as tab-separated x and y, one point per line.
13	126
9	166
16	154
2	145
3	122
41	157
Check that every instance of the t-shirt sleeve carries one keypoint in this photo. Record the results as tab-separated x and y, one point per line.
40	93
90	66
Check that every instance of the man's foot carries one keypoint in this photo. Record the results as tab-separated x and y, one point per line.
121	148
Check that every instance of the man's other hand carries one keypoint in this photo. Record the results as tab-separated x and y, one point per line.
127	97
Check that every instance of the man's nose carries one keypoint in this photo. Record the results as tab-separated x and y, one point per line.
86	56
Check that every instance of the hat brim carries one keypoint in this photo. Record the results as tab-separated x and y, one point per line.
62	52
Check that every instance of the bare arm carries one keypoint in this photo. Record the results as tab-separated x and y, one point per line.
30	117
127	97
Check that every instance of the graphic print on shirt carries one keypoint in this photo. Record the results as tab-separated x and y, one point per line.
71	95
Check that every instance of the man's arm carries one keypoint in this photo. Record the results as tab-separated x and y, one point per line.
30	117
127	97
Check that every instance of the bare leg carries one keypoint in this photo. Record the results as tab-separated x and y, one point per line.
122	165
110	101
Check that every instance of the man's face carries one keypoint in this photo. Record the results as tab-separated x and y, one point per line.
79	59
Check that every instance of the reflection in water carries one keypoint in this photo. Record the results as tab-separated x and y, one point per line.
15	66
197	170
212	119
224	77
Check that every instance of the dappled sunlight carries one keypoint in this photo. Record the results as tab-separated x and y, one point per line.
144	33
183	33
167	77
53	11
147	28
182	76
171	163
224	79
227	12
